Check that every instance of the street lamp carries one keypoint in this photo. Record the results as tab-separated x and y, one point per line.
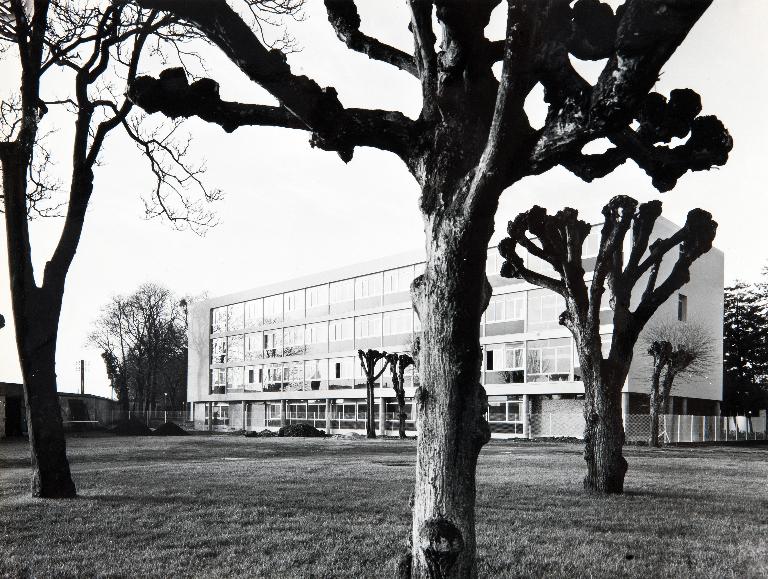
166	400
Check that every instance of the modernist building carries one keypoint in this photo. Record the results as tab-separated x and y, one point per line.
287	353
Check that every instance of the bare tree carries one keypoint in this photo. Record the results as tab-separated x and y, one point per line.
472	141
96	46
558	241
677	349
398	363
368	361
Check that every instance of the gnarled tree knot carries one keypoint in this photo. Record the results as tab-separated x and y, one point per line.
442	542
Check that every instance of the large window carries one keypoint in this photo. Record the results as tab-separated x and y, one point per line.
505	307
494	261
544	309
315	373
368	326
504	415
218	320
218	350
293	341
398	280
254	313
341	368
253	346
218	380
254	376
295	376
316	333
217	414
273	344
342	291
591	244
506	361
549	360
294	305
235	316
275	378
317	296
368	286
340	330
273	309
399	322
235	348
235	379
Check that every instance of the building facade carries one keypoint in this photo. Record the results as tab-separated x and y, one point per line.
287	353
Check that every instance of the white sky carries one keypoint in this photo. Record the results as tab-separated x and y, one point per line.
291	210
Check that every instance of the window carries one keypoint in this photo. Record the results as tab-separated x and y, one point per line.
399	322
368	326
398	280
254	313
505	307
218	320
494	261
273	344
218	350
544	309
253	346
235	314
317	296
235	348
342	291
253	377
507	359
682	307
549	360
217	414
274	381
340	330
341	368
273	309
218	380
235	378
294	305
368	286
315	372
295	376
293	341
316	334
591	243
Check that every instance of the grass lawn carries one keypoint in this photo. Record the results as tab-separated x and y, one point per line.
231	506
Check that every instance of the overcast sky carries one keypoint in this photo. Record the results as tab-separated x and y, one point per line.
291	210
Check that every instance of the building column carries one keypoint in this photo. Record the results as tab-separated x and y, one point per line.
525	415
283	411
625	409
382	419
684	406
210	416
245	417
327	415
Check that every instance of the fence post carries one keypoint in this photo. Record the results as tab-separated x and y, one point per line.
704	429
691	428
129	415
550	424
678	427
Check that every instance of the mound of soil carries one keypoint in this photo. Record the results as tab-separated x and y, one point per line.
263	434
169	429
303	430
130	427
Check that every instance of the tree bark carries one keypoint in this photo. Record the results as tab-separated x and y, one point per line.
604	437
656	404
370	424
450	298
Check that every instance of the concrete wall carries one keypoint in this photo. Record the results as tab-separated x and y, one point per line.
78	407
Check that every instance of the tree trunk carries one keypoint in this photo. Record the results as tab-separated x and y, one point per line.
370	424
656	400
450	298
604	434
51	477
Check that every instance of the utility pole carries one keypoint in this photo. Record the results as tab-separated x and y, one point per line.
81	366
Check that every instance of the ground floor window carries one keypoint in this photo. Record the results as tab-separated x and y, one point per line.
505	414
217	414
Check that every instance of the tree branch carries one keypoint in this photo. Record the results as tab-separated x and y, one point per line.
343	16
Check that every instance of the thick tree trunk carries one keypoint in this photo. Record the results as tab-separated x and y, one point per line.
604	435
51	477
450	298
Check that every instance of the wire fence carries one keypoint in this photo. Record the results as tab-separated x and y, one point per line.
152	418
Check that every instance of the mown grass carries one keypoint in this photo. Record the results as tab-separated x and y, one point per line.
210	506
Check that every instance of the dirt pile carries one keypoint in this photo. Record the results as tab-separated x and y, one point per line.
303	430
263	434
169	429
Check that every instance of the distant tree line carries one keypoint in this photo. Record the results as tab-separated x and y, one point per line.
143	342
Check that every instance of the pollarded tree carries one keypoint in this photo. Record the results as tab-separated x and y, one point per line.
558	241
398	363
368	361
677	349
472	141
